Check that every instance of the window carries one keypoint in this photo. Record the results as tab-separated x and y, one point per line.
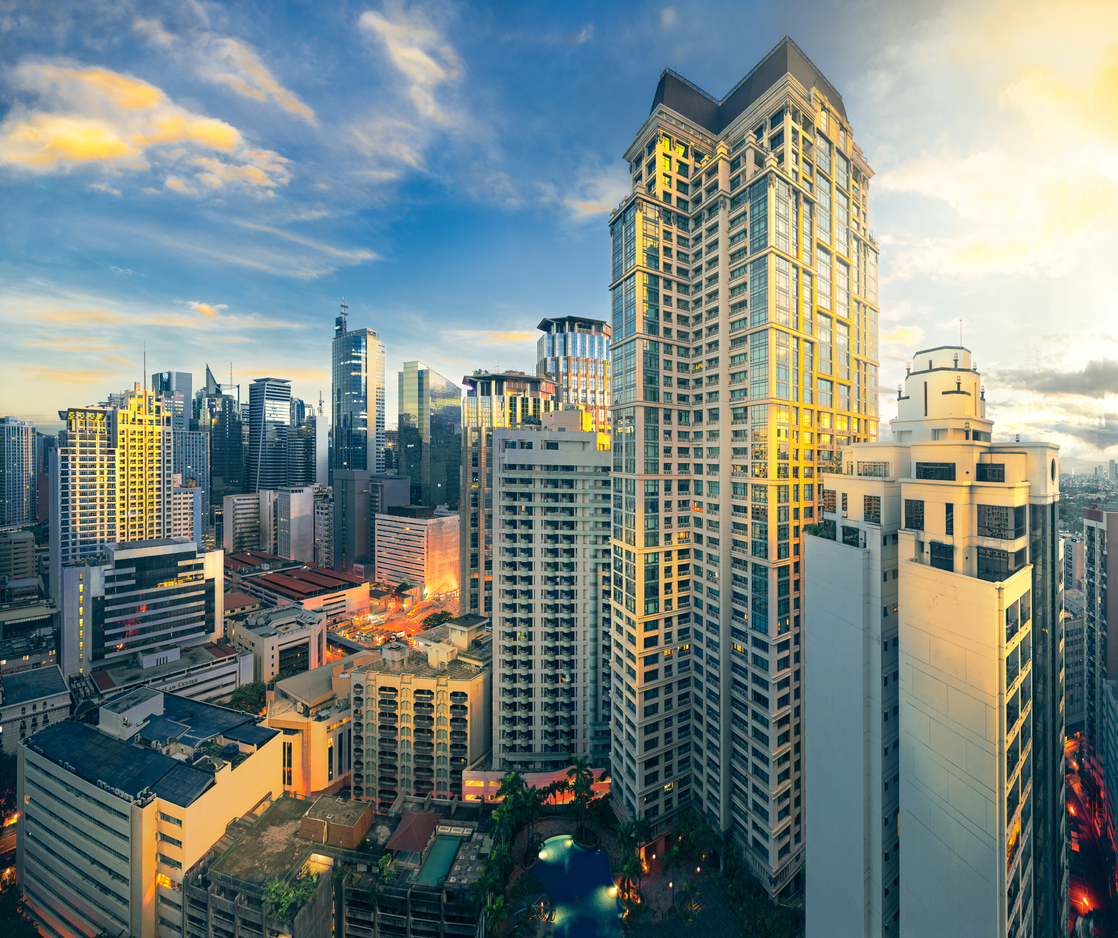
914	514
989	472
872	509
943	471
1001	521
942	556
949	518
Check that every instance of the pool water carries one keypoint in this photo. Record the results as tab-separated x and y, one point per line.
438	861
581	888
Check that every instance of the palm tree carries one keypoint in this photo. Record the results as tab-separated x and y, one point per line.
630	869
673	863
498	911
642	832
582	780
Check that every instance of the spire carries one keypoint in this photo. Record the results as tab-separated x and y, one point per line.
211	383
340	325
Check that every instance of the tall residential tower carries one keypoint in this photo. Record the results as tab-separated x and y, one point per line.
573	352
934	691
18	489
744	348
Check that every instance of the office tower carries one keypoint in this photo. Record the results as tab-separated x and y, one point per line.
1075	675
218	415
113	813
744	347
573	352
358	496
321	447
241	523
174	387
110	479
269	408
17	555
188	508
934	691
294	523
324	527
357	399
504	401
302	466
1112	473
18	486
392	450
108	607
414	545
190	458
429	436
551	496
299	411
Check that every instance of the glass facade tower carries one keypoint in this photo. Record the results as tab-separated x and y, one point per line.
744	347
269	413
357	399
573	352
430	435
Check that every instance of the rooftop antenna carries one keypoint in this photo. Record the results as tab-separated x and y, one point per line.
145	376
320	403
960	331
345	312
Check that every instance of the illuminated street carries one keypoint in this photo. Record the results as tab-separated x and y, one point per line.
1092	909
375	629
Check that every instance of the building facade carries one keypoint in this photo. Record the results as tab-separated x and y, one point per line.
30	701
551	495
935	687
18	487
357	399
188	510
429	435
218	415
573	353
269	414
1100	530
287	638
744	319
112	815
416	546
493	401
324	527
110	478
174	388
139	596
241	523
1074	548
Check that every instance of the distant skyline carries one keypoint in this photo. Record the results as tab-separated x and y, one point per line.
212	178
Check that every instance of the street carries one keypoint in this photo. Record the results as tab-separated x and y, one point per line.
1092	911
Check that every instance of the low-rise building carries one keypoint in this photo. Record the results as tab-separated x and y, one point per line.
210	671
17	555
340	595
286	638
29	701
112	815
28	635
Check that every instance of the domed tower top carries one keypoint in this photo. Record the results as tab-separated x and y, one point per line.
942	399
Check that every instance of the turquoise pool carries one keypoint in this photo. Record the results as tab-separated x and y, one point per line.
580	886
438	861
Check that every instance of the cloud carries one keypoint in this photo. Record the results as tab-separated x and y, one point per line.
67	375
420	53
1097	379
71	344
81	317
903	335
206	309
667	17
488	336
355	254
268	262
101	187
597	189
96	118
122	270
246	74
282	371
153	31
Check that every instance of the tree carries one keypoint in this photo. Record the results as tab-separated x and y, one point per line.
436	618
7	783
498	911
401	588
534	800
249	697
388	869
582	780
284	902
13	914
673	865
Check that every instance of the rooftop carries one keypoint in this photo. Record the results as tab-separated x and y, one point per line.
716	114
235	600
129	672
271	848
23	686
303	582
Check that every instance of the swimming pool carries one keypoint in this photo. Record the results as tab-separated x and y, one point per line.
438	861
581	888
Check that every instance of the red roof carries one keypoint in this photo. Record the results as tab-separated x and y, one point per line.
235	599
414	832
285	584
102	680
219	650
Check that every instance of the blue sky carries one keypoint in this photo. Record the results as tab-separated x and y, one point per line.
210	179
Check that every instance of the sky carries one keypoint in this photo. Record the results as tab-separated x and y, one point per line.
203	182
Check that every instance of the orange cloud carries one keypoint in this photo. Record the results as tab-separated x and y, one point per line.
46	138
206	309
79	316
66	375
130	94
209	131
251	78
485	336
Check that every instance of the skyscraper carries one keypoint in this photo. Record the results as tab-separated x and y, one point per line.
269	414
508	400
573	352
357	398
934	691
218	415
744	347
430	435
18	486
110	478
175	388
551	625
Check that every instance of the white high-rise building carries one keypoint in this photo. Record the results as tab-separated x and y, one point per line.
18	499
187	510
934	688
551	509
